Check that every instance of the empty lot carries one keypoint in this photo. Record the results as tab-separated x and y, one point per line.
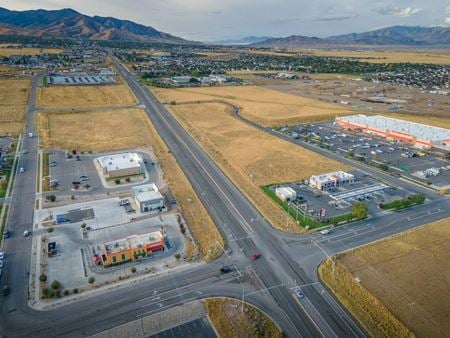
8	50
250	157
13	101
404	279
262	105
84	96
100	130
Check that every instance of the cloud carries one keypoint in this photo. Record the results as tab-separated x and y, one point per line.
447	21
337	18
403	12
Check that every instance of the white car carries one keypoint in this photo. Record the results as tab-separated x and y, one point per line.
2	255
325	232
21	170
26	233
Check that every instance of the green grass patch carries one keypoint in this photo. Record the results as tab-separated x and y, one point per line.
3	221
46	172
303	221
4	184
404	203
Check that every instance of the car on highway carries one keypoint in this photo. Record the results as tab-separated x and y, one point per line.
300	293
326	231
255	256
83	178
6	234
24	152
26	233
5	290
225	269
21	170
1	263
53	164
2	255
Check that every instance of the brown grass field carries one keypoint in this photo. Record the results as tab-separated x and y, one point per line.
13	101
119	129
405	281
434	57
99	130
264	106
250	157
6	51
231	322
84	96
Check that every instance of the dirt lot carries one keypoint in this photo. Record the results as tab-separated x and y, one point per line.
230	322
94	130
6	51
84	96
250	157
405	277
434	57
13	101
262	105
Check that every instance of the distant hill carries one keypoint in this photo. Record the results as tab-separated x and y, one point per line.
244	41
395	35
67	23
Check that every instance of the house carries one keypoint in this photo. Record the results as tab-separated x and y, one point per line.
148	197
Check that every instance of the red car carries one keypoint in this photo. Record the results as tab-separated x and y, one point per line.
255	256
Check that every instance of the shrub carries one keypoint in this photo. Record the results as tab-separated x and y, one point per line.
56	285
75	291
133	269
83	225
128	179
177	256
51	294
66	292
91	280
117	181
50	230
43	278
50	198
46	292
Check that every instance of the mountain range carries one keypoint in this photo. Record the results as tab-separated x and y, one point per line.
68	23
395	35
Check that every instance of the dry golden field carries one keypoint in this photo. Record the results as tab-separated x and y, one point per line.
99	130
6	51
231	322
250	157
405	281
13	102
264	106
434	57
84	96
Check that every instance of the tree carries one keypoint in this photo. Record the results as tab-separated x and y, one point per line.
91	280
359	210
133	269
117	181
66	292
50	230
43	278
50	198
75	291
56	285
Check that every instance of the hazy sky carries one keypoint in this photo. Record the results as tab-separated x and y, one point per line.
207	20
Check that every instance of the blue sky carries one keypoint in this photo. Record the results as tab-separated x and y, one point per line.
208	20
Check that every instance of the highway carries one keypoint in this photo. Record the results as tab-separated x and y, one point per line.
287	260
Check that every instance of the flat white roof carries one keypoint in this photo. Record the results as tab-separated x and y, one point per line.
342	175
421	131
120	161
286	191
147	192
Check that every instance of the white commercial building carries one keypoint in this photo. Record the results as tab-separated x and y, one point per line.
119	165
420	135
331	180
148	197
286	194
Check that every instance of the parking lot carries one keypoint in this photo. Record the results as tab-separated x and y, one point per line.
65	171
427	166
339	200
